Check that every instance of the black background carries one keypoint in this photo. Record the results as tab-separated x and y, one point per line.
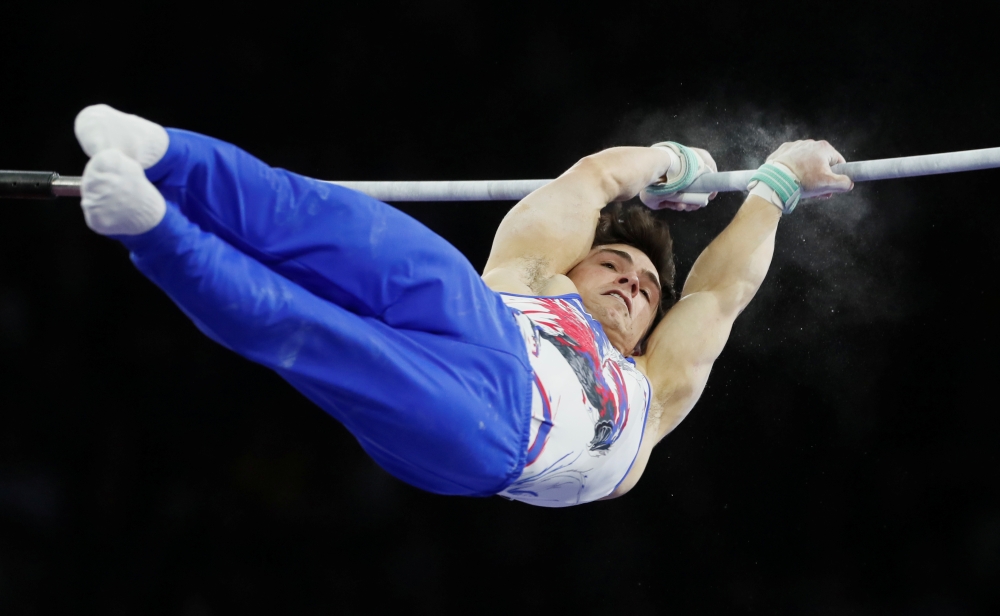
843	458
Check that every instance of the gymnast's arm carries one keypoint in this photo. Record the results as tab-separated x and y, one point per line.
726	276
681	350
552	229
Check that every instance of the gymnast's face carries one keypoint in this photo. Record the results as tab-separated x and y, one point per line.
621	289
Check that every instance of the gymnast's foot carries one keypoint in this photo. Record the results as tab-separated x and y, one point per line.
117	199
99	128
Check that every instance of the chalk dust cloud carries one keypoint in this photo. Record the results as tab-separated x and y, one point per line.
838	281
833	259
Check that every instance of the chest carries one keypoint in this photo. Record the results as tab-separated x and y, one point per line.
589	409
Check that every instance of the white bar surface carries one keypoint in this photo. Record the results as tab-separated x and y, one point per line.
726	181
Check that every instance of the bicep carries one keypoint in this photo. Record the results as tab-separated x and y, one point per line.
551	229
681	352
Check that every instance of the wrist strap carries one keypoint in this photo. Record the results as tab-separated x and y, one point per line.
783	183
689	163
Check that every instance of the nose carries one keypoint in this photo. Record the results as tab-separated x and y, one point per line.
630	280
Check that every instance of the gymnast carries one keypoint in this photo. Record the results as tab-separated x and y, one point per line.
549	379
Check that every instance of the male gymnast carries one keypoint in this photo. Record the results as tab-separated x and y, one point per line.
549	379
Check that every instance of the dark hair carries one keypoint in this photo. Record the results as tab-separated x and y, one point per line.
634	225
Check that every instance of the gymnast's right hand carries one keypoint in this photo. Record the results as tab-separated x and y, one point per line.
688	165
810	161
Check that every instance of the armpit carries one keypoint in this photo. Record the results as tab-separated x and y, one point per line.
534	272
654	416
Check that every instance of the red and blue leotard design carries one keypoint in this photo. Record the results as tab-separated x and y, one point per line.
588	409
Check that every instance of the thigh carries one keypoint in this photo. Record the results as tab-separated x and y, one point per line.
338	244
442	415
437	411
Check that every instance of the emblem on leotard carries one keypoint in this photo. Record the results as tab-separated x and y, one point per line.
582	343
588	409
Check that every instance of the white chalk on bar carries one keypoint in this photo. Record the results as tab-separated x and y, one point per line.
484	190
727	181
865	170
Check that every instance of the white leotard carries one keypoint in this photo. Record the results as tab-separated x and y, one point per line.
589	405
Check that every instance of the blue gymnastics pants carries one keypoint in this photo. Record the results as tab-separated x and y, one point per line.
379	321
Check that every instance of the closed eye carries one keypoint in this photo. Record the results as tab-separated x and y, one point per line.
646	293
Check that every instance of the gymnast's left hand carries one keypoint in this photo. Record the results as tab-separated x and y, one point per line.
811	162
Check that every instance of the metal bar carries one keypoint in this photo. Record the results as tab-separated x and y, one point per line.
27	184
485	190
515	190
68	186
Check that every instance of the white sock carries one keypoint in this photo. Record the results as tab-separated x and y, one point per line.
100	127
117	199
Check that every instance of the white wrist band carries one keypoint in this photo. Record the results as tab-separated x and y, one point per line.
765	192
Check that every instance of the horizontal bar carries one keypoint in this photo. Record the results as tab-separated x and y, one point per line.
27	184
472	190
515	190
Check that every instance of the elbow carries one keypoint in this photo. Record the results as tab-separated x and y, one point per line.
599	174
729	299
738	298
